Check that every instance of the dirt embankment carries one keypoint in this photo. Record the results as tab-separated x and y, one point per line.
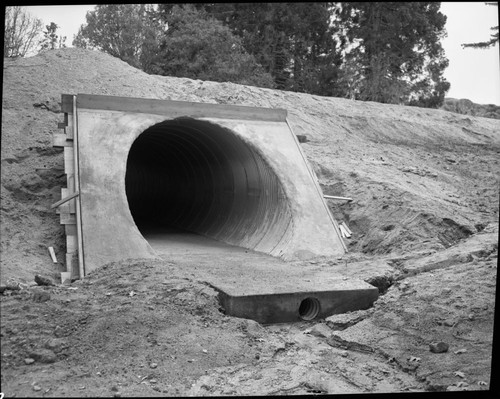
425	185
421	179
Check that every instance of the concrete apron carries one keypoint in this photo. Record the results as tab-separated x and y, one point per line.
257	286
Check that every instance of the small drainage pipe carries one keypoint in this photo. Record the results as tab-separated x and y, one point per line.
309	308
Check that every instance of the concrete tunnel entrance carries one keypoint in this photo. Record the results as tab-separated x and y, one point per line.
234	174
231	173
200	177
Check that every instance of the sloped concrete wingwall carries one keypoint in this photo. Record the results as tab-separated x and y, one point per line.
235	174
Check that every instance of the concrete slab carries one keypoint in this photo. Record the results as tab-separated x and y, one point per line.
304	302
260	287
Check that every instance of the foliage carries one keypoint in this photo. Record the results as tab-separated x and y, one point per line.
396	49
197	46
292	41
387	52
21	32
51	40
493	39
126	31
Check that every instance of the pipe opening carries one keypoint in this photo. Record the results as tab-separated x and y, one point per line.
309	308
200	177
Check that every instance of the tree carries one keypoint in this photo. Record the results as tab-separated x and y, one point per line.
21	32
490	43
51	40
126	31
197	46
396	48
292	41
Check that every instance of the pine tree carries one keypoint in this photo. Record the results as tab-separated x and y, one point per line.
292	41
51	39
396	48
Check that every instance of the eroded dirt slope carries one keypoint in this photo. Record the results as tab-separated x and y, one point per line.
424	218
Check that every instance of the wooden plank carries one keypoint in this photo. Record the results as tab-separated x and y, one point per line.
68	262
70	204
66	218
70	229
62	125
78	216
65	276
72	264
52	254
65	199
60	140
69	129
337	198
178	108
68	160
70	182
67	103
346	227
344	231
71	244
75	266
64	208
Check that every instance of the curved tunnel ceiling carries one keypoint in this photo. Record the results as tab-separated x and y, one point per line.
200	177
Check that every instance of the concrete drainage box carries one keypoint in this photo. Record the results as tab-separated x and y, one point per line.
232	173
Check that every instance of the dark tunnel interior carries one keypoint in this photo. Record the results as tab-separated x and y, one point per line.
197	176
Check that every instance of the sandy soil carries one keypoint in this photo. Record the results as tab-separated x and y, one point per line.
425	185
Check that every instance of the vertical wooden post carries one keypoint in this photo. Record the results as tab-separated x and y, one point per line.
81	267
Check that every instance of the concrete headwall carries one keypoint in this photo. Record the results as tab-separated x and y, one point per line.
241	179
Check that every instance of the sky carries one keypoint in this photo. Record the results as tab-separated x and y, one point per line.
474	74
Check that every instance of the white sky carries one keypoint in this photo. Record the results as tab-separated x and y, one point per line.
473	73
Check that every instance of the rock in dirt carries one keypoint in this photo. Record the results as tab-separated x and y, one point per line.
58	331
13	287
438	347
321	330
342	321
41	296
43	356
252	327
40	280
29	360
56	345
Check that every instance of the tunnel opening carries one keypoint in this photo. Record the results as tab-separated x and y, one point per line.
199	177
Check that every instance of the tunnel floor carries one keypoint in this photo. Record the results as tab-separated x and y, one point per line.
171	241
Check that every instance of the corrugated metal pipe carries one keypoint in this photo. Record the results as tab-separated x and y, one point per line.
200	177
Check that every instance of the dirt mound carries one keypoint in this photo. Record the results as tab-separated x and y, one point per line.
421	179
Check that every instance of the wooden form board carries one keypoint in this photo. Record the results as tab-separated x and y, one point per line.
67	210
179	108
